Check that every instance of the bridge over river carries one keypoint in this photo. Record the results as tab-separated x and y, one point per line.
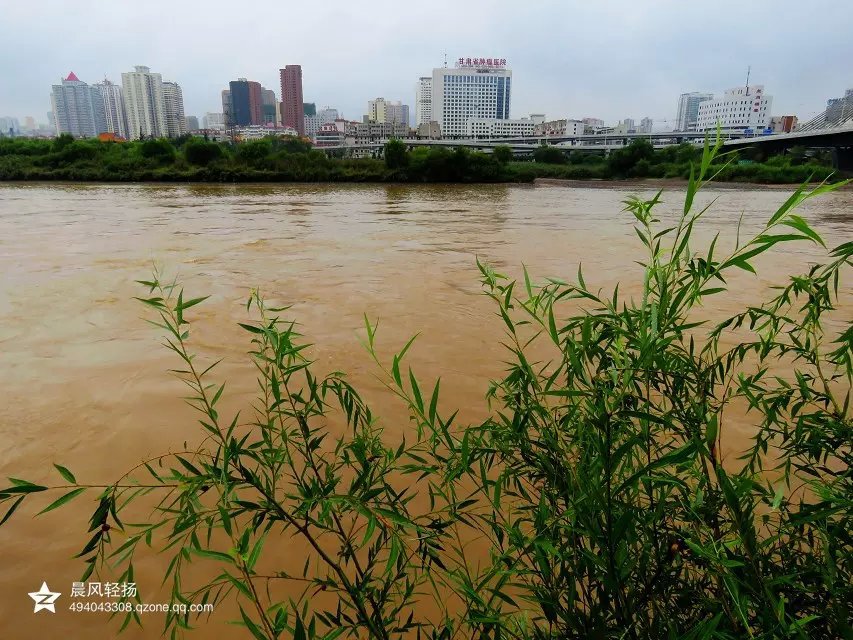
820	132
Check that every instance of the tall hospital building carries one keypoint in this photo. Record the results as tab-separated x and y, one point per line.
476	89
740	109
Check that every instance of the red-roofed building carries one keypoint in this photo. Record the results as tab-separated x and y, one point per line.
110	137
78	109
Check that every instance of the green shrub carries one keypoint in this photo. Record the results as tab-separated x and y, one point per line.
641	169
396	155
547	154
23	147
11	168
159	150
622	162
502	153
255	152
61	141
200	152
482	167
583	157
79	150
522	172
291	144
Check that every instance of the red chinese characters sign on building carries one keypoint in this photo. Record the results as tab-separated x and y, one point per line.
495	63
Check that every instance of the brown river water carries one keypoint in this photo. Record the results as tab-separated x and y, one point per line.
83	379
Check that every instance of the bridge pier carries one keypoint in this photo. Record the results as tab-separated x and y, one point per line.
842	158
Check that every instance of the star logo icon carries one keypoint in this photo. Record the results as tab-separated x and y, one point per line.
44	599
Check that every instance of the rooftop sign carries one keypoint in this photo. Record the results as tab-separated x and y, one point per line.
497	63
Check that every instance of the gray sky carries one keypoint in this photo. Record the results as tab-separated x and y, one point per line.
609	59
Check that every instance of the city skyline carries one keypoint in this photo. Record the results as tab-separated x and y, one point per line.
635	67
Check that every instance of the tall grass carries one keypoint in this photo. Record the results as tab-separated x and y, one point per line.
595	489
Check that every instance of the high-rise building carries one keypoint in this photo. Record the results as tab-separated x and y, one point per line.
376	110
30	123
423	101
268	108
78	109
688	109
144	103
114	114
212	120
327	115
292	109
476	88
173	109
397	113
227	107
192	123
739	109
382	111
9	126
246	102
312	125
646	125
387	111
309	108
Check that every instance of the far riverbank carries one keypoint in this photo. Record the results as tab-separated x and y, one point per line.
276	160
664	183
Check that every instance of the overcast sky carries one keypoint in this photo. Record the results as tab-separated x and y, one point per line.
610	59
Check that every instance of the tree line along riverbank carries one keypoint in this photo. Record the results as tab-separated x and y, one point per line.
193	159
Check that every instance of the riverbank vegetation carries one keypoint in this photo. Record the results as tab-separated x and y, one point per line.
593	502
290	160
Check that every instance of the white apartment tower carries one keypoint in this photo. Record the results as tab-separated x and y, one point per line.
173	109
114	113
213	120
77	108
10	126
477	88
144	103
423	101
312	125
688	109
739	108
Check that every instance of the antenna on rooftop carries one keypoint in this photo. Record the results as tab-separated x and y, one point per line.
748	69
445	59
